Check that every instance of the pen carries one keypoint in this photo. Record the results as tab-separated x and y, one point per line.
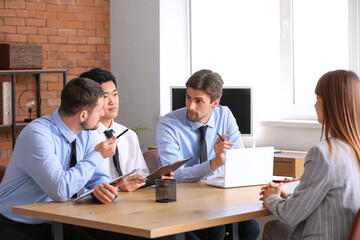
122	133
220	137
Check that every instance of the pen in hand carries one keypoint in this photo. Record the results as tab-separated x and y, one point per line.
220	137
122	133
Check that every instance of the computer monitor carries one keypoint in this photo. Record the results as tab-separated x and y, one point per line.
238	99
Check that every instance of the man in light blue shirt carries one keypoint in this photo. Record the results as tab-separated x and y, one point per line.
39	169
180	135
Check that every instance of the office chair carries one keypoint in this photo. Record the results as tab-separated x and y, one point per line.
151	159
355	229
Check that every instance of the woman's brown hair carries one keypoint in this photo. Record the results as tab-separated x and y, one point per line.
340	92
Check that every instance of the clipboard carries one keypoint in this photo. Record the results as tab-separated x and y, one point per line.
164	170
115	180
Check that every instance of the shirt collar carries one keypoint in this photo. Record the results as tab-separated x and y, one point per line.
65	131
196	125
102	128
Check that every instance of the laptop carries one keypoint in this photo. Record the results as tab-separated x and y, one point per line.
246	167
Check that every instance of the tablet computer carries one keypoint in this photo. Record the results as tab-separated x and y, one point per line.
115	180
164	170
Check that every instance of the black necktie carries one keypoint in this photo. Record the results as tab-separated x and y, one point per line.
109	134
73	154
73	159
203	147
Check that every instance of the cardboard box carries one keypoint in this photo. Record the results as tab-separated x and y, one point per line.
20	56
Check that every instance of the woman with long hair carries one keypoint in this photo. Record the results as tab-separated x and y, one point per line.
325	202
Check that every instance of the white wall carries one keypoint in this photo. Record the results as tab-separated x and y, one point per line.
135	62
150	52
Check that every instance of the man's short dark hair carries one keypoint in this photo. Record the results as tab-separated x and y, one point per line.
208	81
80	94
99	75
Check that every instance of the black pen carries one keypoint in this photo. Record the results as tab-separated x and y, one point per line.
122	133
220	137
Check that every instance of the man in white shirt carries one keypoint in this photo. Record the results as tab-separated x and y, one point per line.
129	155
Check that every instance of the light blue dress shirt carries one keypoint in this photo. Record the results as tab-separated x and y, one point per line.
178	138
39	168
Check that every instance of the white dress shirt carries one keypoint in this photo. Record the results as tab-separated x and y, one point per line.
130	155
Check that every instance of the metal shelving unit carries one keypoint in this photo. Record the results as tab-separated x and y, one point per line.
37	74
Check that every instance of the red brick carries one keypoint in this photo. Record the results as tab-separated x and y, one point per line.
107	10
2	4
103	63
94	25
107	41
98	55
107	26
57	55
14	21
70	24
58	39
50	47
85	17
26	13
102	33
56	8
46	15
66	16
15	5
67	32
53	102
16	38
36	6
66	63
55	86
8	29
2	37
103	17
48	94
7	13
68	48
47	31
103	48
54	78
37	39
95	40
86	63
77	71
103	3
97	10
50	63
86	33
85	2
75	9
87	48
55	23
27	30
77	39
69	2
77	56
35	22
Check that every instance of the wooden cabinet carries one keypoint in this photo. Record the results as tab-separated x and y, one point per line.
37	73
289	163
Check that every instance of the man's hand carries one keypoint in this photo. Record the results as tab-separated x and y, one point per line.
107	148
169	176
131	183
105	193
220	148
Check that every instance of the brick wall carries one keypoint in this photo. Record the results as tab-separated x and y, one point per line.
75	35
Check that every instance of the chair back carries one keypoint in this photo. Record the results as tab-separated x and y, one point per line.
355	230
2	171
151	159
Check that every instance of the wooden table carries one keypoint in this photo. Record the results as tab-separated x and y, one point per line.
136	213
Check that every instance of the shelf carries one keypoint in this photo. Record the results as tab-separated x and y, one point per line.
37	73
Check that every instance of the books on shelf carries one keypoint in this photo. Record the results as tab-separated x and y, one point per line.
5	106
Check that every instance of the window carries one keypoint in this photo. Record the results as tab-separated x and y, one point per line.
279	47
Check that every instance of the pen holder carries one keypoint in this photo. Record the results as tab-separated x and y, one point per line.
165	190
